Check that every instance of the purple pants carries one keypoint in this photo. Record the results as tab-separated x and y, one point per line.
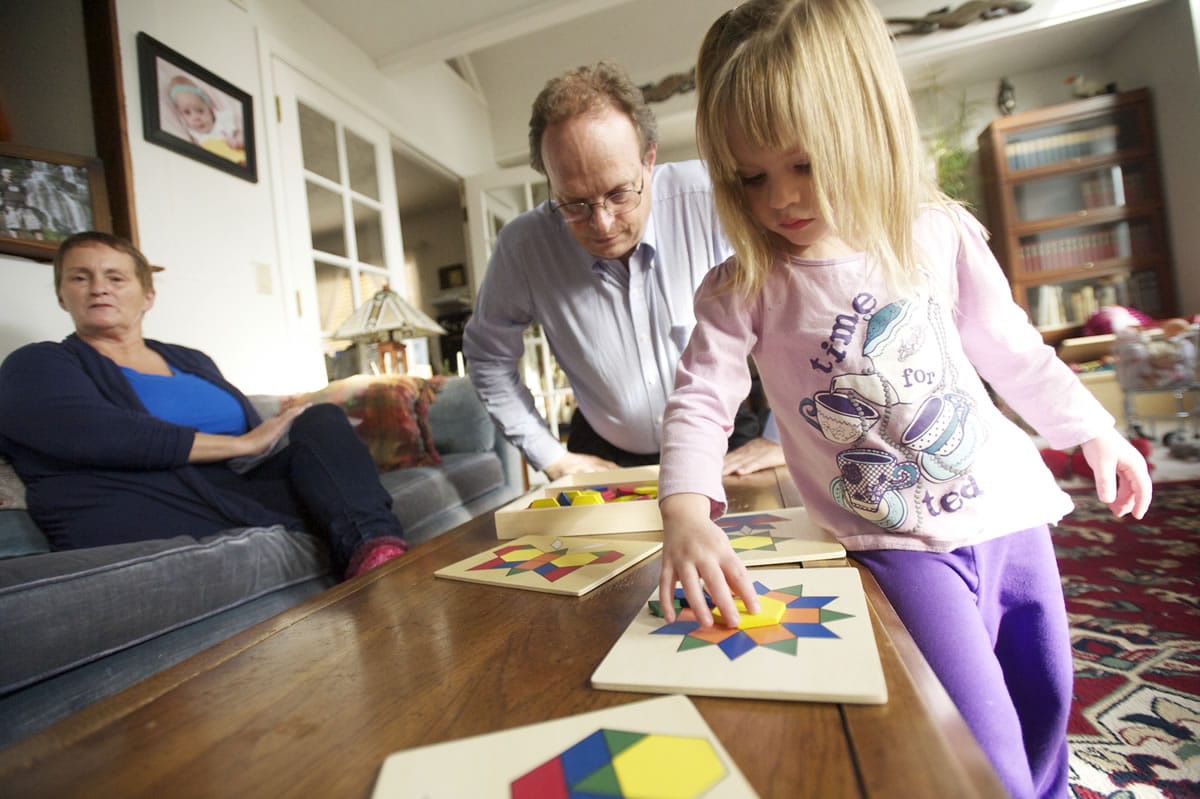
991	621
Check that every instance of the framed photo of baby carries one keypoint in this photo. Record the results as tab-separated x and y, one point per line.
46	196
190	110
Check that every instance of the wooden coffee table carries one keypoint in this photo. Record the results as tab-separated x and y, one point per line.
311	702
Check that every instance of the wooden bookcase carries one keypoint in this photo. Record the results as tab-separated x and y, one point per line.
1074	204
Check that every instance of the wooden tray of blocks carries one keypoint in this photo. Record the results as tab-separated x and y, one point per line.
622	501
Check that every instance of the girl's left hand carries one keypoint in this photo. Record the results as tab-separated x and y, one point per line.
1122	477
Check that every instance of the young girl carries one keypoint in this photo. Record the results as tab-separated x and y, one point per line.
874	312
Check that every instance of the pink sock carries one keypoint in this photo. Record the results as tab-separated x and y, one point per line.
374	553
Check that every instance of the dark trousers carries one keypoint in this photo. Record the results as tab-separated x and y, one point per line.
585	440
323	478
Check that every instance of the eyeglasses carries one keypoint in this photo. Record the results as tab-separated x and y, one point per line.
618	202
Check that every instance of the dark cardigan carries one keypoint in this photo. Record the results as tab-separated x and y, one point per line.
98	468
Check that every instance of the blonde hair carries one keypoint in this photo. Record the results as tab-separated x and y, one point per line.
819	76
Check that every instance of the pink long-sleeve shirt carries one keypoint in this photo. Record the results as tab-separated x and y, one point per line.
888	430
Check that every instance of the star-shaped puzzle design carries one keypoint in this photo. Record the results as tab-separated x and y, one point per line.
553	564
748	533
785	616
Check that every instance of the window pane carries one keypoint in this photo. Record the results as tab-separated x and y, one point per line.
369	283
318	142
325	219
335	302
360	160
368	229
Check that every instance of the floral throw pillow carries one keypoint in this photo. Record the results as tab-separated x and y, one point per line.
390	413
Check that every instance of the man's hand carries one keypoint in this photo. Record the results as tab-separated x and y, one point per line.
576	463
753	456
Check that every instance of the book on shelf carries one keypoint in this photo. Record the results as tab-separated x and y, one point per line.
1053	149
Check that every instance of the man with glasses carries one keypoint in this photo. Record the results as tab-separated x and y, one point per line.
608	267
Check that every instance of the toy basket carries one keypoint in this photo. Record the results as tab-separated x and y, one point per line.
1152	362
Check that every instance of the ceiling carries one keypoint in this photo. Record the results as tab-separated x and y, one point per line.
506	49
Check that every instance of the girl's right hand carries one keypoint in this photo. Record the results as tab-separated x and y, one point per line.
697	555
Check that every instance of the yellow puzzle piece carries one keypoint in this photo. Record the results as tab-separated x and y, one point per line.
770	612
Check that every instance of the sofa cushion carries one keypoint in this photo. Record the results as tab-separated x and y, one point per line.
421	492
12	488
459	421
389	413
20	536
66	608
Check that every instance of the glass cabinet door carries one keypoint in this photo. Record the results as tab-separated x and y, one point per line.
1112	186
1070	141
1085	246
1071	303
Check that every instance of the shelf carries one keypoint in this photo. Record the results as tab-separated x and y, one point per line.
1070	165
1082	223
1087	217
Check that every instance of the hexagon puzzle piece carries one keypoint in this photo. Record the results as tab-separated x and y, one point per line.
770	612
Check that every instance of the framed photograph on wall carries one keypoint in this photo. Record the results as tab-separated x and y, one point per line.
452	277
47	196
191	111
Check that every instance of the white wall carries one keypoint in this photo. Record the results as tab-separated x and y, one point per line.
217	235
209	229
1173	28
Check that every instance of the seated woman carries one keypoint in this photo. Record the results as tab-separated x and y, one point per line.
121	438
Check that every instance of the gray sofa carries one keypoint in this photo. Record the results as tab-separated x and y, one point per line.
79	625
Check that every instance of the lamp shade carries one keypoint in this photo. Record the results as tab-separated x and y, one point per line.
385	316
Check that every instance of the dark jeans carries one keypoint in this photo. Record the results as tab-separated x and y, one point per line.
323	478
585	440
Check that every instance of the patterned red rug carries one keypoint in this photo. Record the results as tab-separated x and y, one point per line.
1133	598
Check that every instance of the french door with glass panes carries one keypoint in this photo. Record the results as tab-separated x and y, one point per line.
343	225
493	200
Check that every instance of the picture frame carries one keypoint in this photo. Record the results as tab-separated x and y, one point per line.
452	277
46	197
191	111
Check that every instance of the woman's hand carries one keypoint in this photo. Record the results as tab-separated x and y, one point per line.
1122	477
697	554
207	448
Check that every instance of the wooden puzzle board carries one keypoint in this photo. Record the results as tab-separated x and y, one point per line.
571	565
517	518
771	537
823	649
655	747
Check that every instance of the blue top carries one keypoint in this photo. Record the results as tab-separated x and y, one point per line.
617	333
187	400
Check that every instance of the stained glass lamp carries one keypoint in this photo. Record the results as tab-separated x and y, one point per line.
385	320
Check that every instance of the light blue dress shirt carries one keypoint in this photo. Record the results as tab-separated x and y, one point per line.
617	334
